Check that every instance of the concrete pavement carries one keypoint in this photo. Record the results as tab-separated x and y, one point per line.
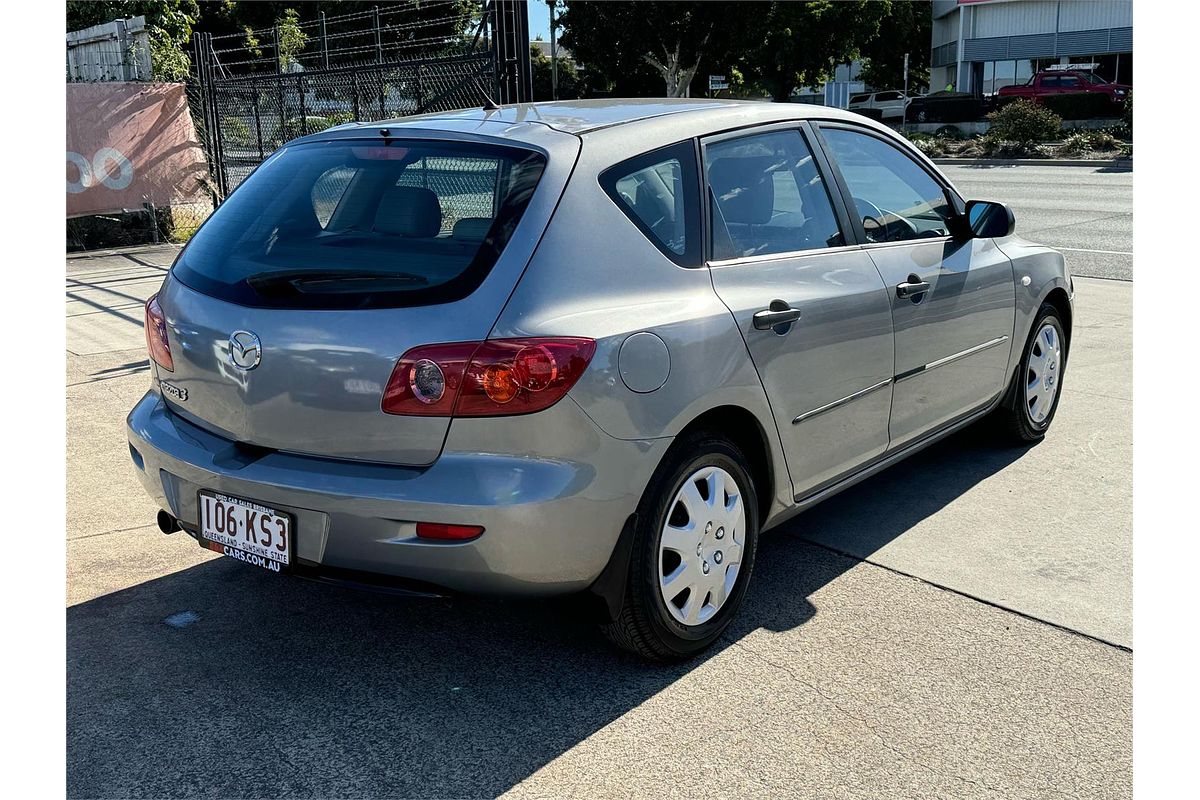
901	675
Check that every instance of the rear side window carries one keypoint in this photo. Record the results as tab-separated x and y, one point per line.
658	192
767	197
363	224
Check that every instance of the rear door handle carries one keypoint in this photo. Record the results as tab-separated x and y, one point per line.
912	288
779	315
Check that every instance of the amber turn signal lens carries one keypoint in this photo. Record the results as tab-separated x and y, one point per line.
499	383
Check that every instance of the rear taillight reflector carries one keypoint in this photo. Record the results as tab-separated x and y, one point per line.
497	377
438	530
156	335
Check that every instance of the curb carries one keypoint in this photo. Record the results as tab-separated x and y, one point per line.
1118	163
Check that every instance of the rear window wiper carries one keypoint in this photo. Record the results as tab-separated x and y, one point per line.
330	281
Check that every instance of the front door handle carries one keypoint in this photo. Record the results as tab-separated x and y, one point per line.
912	287
778	317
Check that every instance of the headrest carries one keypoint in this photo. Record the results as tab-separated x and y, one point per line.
744	187
471	229
409	211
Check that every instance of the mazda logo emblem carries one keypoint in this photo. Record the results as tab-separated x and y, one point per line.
245	351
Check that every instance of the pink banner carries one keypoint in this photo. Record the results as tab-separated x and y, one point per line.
129	143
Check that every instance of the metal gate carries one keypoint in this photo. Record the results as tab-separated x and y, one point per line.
258	89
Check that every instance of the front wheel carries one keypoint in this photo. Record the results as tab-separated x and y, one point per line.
1032	399
693	551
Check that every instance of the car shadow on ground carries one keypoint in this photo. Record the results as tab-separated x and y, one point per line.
281	687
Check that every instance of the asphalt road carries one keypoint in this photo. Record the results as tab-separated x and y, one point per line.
971	641
1086	212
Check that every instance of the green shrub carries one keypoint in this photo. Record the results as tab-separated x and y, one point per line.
1076	144
1119	131
950	132
236	131
1127	113
1084	142
339	118
1023	122
934	148
1081	105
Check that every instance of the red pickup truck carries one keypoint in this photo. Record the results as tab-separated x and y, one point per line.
1052	82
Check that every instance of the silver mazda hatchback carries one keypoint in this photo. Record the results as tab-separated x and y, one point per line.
580	347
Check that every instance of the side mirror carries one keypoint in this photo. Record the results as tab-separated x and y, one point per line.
987	220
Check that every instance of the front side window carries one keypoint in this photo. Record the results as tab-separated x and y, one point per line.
363	224
894	197
657	192
1069	82
768	197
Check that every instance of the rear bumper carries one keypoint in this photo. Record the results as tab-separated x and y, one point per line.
551	518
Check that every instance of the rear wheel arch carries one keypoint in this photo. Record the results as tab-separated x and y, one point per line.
743	429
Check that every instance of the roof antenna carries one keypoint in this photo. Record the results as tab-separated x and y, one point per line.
488	103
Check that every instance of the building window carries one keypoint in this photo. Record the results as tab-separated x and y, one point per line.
992	75
1115	67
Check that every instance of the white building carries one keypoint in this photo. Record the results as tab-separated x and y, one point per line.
982	45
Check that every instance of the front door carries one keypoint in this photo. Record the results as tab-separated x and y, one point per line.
951	300
813	311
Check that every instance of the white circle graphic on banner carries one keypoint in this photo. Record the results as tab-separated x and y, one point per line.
124	171
85	173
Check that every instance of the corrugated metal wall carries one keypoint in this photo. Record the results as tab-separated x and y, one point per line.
115	51
1082	15
986	20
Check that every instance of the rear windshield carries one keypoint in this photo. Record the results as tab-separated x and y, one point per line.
363	224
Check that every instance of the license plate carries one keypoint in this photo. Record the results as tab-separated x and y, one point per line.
245	530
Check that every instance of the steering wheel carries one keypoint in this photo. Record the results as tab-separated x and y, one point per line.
876	229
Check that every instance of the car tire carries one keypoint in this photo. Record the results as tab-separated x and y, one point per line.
1032	398
664	629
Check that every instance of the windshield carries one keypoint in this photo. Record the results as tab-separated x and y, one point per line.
363	224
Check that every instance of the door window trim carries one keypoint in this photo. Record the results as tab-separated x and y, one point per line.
833	191
957	204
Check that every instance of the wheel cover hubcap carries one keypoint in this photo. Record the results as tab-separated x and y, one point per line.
700	551
1043	373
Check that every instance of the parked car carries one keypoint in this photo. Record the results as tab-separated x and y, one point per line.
587	346
879	105
945	107
1048	83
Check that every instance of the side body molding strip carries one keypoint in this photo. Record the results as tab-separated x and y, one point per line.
941	362
837	403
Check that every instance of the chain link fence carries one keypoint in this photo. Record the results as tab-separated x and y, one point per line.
255	90
257	114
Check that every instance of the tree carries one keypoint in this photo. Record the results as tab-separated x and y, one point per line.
641	48
904	28
169	28
800	44
291	39
569	85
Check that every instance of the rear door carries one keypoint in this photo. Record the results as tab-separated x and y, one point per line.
951	301
811	306
288	310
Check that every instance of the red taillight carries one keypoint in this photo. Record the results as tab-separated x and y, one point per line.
156	335
485	379
457	533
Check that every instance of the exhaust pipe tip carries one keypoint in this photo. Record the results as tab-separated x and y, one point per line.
167	523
